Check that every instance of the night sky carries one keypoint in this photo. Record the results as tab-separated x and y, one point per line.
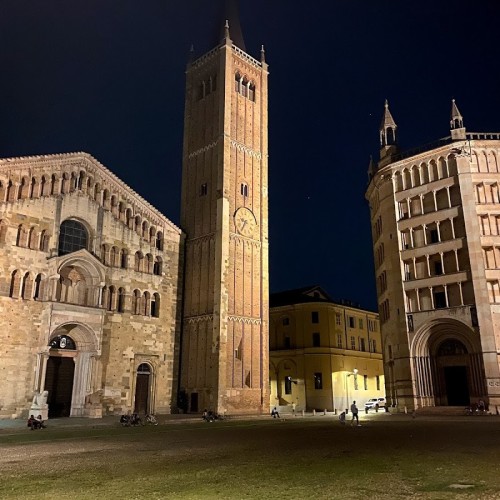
107	77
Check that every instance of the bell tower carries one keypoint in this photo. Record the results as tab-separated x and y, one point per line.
224	213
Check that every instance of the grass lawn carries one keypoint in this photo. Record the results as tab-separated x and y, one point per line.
297	458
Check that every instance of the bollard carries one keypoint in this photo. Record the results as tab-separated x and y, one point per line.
314	413
324	411
366	410
406	411
303	413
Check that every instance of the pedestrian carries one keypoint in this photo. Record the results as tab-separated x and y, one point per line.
274	413
293	408
342	417
354	411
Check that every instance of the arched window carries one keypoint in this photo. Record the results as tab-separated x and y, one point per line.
53	186
104	254
43	186
138	266
23	189
44	241
129	218
146	299
11	191
138	224
121	300
37	295
159	240
33	188
451	347
121	211
32	239
15	285
105	297
149	263
20	236
114	205
155	306
73	236
145	230
152	235
65	183
157	266
123	258
136	302
144	369
80	182
63	342
113	257
73	182
110	306
105	199
27	287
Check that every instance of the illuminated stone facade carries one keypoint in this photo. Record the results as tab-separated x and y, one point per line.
435	215
91	295
323	354
89	292
225	216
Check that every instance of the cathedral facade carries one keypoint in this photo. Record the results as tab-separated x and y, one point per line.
435	214
108	307
90	292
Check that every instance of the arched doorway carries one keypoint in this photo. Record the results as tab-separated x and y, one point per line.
142	388
447	364
59	376
452	362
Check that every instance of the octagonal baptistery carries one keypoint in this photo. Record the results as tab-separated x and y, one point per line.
435	214
90	285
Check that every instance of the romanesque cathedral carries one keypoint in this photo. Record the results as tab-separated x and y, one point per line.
107	306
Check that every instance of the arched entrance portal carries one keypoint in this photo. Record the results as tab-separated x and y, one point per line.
447	365
69	370
142	388
452	363
60	375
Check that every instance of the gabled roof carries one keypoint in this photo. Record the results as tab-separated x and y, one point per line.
312	293
309	294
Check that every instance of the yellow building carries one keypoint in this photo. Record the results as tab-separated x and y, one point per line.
323	354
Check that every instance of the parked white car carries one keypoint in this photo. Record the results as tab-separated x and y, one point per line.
372	403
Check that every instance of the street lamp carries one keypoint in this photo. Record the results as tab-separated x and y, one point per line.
355	375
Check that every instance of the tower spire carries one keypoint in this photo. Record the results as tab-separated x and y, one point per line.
456	122
230	24
388	137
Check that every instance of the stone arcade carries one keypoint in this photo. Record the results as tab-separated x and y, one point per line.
92	276
435	215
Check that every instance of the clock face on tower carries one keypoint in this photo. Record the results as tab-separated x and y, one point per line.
244	220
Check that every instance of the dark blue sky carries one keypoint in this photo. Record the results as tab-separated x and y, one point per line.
107	77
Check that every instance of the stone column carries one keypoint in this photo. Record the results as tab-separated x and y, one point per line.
80	383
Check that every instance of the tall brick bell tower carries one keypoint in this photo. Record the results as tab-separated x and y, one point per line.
224	212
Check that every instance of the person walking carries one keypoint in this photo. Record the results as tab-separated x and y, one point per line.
354	411
293	408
